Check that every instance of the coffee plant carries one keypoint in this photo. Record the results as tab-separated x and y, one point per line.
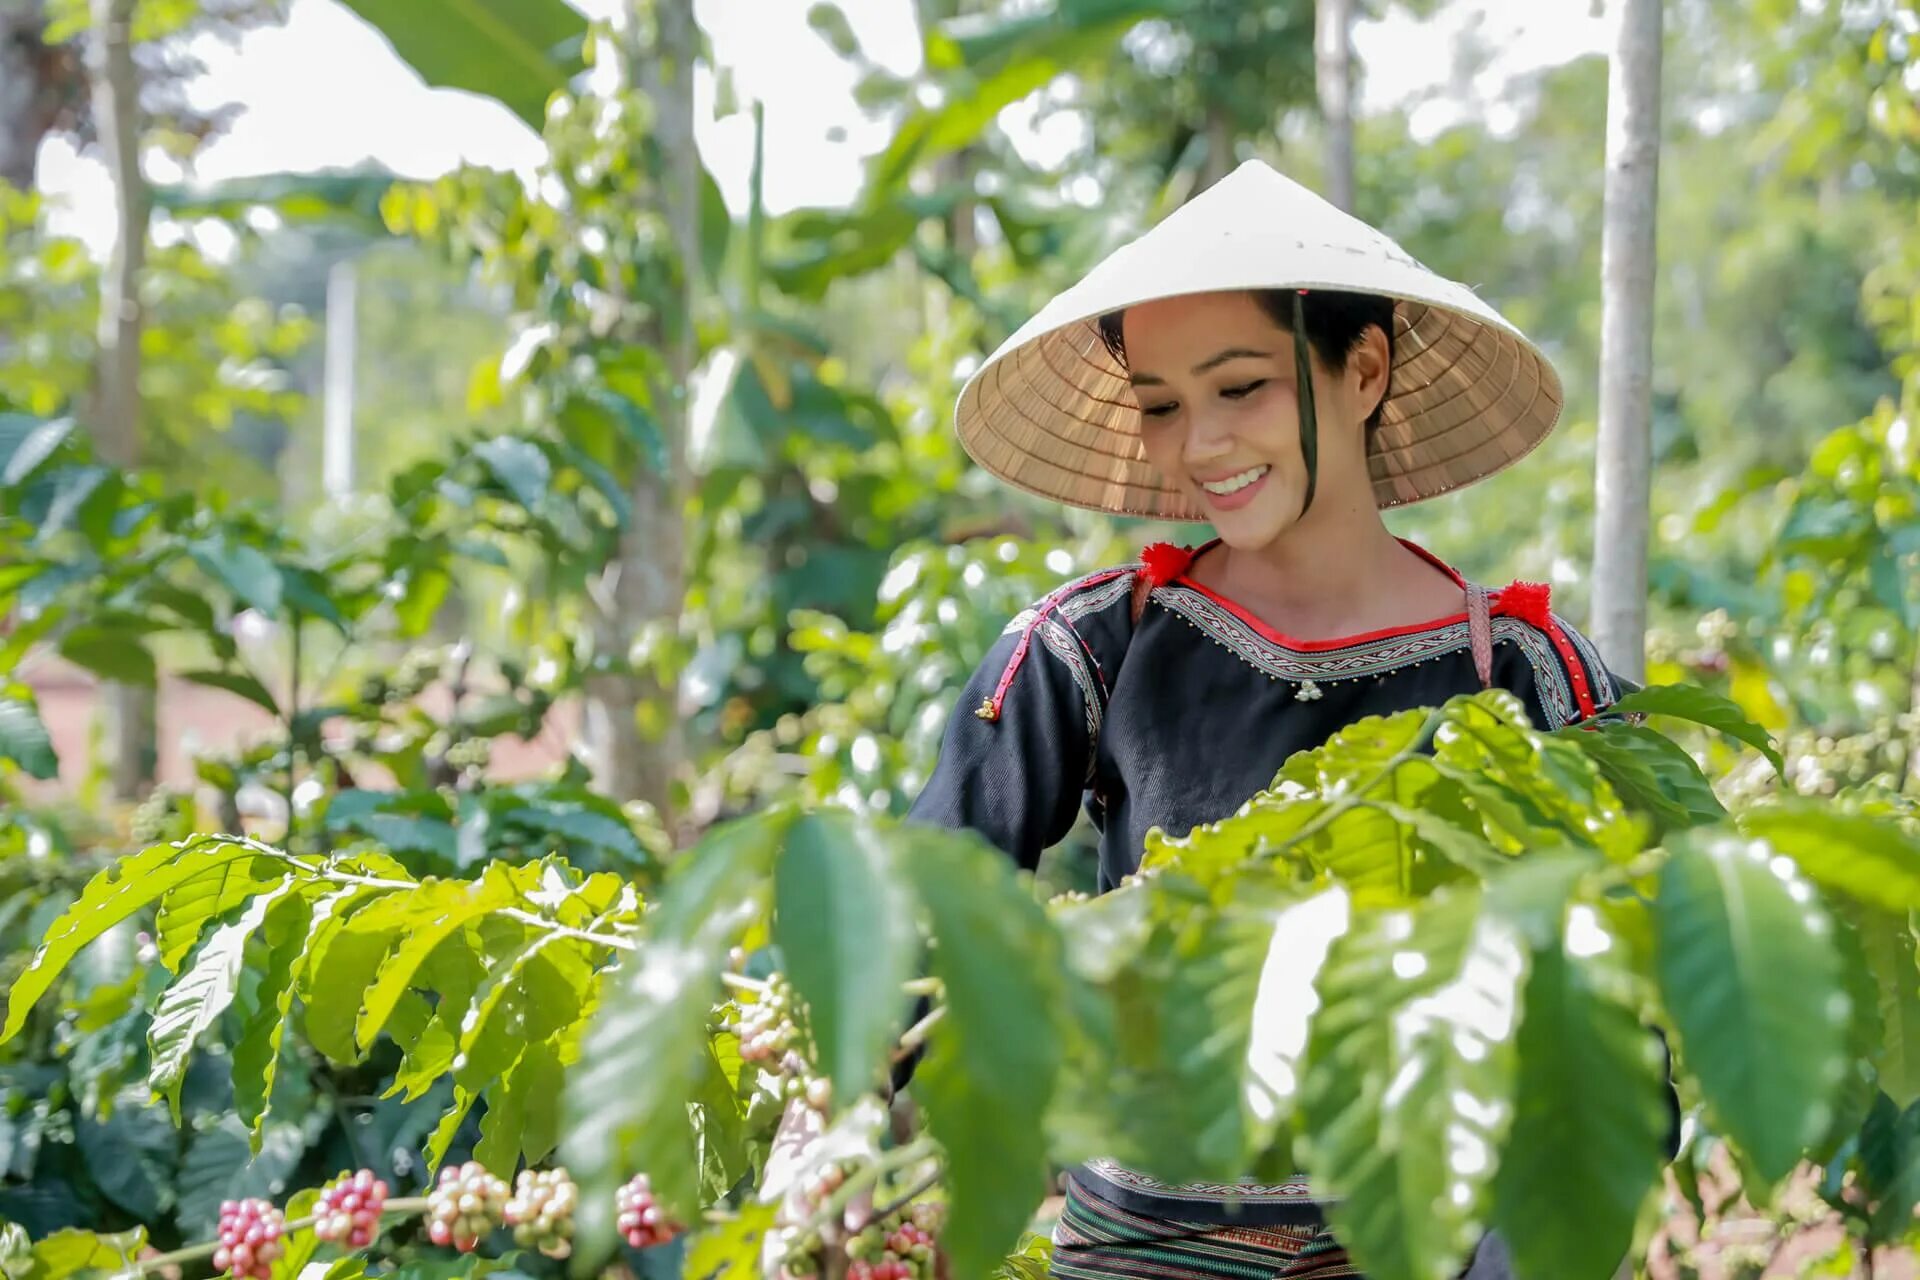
1435	963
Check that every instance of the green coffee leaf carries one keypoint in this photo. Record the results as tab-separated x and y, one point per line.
730	1251
1869	860
109	898
200	995
186	911
990	1070
843	919
292	924
1591	1080
423	917
1409	1085
1697	706
646	1045
1888	944
70	1254
1747	969
1650	772
23	738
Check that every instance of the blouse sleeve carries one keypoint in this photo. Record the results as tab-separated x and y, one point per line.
1018	752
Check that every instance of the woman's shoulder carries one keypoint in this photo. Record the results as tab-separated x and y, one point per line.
1570	677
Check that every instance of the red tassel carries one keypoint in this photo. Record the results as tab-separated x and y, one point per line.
1528	601
1164	562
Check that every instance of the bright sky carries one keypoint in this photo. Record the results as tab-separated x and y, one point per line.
300	117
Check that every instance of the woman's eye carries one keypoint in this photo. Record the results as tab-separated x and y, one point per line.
1241	392
1159	410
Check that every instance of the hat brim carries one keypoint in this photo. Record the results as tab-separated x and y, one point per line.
1055	415
1052	411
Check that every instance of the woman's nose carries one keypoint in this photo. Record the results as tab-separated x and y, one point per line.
1208	437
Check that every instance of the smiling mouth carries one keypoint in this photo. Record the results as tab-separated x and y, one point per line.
1235	483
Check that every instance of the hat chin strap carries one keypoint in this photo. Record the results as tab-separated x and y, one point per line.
1303	377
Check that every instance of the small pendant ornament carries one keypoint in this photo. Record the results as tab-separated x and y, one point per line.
1309	692
988	710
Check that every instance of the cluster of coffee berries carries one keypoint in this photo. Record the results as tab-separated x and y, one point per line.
349	1209
249	1239
465	1208
903	1253
766	1027
642	1222
541	1212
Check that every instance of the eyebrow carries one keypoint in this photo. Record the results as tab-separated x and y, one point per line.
1211	362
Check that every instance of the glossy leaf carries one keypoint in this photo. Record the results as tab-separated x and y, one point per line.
185	913
1748	972
843	919
74	1253
243	570
731	1250
114	655
990	1070
23	738
1650	772
1697	706
1870	860
236	682
110	897
1888	944
1410	1080
1591	1080
423	918
200	995
291	925
646	1045
519	52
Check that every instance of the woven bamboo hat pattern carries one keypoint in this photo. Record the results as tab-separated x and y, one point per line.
1052	412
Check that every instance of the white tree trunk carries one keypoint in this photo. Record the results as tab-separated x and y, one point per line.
1218	162
115	417
1333	78
1622	479
336	381
635	738
23	117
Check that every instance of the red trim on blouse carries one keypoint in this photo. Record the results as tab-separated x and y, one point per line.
990	709
1339	642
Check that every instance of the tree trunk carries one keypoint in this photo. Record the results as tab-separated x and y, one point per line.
115	417
1333	78
24	118
633	719
1219	159
1622	479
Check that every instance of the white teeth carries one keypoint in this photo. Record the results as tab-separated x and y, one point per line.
1233	484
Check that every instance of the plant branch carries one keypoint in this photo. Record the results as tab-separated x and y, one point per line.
1353	797
900	1202
916	1035
195	1252
835	1206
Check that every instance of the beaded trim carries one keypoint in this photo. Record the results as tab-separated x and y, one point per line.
1053	621
1295	1190
1368	658
1604	691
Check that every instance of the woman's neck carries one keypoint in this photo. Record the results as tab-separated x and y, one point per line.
1337	572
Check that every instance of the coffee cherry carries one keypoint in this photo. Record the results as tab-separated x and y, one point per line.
541	1212
465	1207
249	1239
642	1221
349	1209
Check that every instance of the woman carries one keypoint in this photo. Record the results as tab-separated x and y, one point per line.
1264	363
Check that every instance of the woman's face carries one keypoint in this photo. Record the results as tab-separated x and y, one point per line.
1220	416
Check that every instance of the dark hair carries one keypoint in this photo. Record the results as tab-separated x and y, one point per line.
1335	321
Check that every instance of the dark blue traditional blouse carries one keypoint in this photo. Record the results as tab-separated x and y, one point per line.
1180	718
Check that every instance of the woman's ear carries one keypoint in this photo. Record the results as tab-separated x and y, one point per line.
1369	369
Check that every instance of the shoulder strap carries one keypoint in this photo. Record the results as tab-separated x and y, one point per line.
1480	632
1142	588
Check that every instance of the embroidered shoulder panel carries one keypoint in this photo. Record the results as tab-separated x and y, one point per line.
1056	631
1295	1190
1368	658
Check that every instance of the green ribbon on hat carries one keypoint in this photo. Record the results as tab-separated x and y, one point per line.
1303	375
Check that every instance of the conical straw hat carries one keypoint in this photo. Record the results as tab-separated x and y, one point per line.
1052	411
